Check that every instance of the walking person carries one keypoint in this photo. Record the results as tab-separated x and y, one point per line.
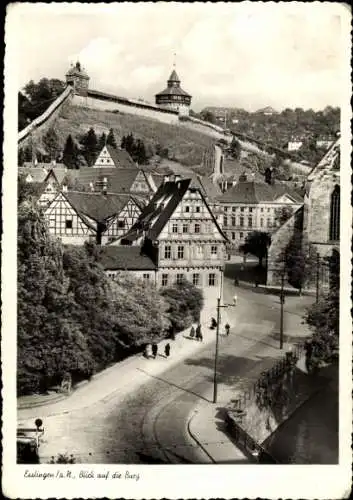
192	332
167	350
198	333
227	328
154	350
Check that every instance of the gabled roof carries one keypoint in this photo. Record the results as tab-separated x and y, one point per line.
174	77
120	157
257	192
161	208
97	206
118	180
125	259
38	174
329	162
58	172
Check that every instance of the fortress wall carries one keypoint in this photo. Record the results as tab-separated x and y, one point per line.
42	122
129	108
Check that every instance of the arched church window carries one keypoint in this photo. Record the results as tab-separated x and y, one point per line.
335	215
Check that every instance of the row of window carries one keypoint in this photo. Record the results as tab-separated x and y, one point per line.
181	251
244	209
242	222
196	280
189	228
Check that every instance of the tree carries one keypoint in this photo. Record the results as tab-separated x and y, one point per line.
235	148
38	97
51	142
185	303
282	214
323	317
208	116
50	340
102	141
141	312
257	243
71	153
300	261
90	147
111	139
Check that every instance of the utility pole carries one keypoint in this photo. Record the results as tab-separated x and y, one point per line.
317	276
282	312
216	353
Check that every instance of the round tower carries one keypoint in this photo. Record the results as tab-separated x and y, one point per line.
174	97
78	78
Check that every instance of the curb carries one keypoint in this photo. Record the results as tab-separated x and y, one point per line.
192	435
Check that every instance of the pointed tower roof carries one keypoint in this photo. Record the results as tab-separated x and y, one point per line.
174	77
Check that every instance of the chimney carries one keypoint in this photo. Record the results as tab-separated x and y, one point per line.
105	186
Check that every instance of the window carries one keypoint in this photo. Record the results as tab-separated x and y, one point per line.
225	209
68	224
146	276
197	209
241	221
179	278
225	221
268	210
250	221
197	228
261	222
233	209
214	250
234	221
187	208
185	228
164	279
241	235
335	215
211	279
180	252
121	223
175	228
250	210
196	279
242	209
261	210
233	236
167	251
269	224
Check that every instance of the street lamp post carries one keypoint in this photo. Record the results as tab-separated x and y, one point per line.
282	312
215	383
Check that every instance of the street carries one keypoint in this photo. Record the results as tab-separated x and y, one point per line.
141	416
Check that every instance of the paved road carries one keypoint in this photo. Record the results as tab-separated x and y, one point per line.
149	425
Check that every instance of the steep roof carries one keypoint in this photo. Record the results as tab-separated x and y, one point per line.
173	91
38	174
329	162
118	180
174	77
257	192
120	157
125	258
97	206
161	208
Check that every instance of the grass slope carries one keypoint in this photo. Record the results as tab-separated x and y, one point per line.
184	145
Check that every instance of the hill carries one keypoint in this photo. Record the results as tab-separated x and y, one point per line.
180	144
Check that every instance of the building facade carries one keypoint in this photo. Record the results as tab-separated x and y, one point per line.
174	97
77	217
178	231
78	79
254	206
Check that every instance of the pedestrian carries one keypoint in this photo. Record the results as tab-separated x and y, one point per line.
213	324
235	300
308	355
154	350
167	350
198	333
227	328
192	332
236	281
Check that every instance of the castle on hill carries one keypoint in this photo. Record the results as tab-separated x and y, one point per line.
172	98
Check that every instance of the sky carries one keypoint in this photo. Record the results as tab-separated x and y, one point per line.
246	55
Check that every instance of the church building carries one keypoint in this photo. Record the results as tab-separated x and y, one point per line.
174	97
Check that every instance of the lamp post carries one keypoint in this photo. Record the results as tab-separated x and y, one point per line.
282	312
215	382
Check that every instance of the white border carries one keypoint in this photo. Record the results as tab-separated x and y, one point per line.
226	481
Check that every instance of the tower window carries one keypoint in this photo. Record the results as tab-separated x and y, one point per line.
335	214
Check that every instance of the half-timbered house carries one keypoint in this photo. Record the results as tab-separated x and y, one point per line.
76	217
114	157
179	232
